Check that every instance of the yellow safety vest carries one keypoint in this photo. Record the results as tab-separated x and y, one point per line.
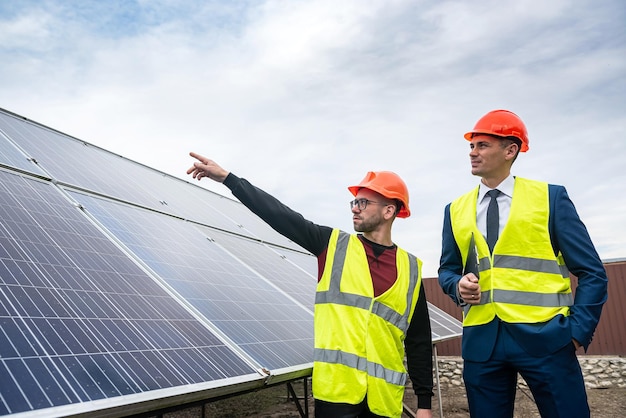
359	338
522	281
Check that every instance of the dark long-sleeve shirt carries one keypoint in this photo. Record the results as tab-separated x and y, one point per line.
315	238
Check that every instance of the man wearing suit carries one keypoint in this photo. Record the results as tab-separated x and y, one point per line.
506	258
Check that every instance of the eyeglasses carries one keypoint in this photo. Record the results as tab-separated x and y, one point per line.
360	203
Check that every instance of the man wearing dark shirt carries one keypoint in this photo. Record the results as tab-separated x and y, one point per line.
362	327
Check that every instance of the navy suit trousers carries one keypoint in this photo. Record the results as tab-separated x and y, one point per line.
555	380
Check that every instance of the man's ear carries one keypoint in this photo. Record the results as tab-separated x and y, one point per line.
390	211
511	150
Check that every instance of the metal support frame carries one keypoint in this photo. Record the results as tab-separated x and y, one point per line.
304	413
438	383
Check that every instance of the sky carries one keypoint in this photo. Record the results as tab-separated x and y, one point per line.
304	97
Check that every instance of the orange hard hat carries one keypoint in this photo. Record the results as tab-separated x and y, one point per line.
388	184
502	123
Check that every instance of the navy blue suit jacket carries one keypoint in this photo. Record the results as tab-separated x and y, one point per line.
569	235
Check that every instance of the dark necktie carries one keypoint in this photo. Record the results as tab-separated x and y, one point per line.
493	219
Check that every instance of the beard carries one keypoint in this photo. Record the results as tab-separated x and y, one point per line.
368	225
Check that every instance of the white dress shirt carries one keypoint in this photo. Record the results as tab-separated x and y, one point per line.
504	204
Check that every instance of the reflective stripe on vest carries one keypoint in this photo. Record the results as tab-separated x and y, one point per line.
524	263
526	298
360	363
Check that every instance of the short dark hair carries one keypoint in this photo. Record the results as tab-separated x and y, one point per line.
508	140
399	205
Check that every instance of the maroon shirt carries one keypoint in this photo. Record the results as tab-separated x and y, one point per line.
381	260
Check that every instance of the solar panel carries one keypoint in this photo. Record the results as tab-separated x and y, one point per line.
133	288
270	327
80	321
442	325
275	265
70	161
306	262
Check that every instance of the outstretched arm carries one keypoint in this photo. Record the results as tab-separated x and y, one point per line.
280	217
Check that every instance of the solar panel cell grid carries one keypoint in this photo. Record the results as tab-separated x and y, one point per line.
242	304
272	265
13	157
72	319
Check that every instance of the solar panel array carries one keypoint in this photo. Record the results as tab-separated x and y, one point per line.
131	289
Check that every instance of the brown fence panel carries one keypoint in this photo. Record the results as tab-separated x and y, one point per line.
610	336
